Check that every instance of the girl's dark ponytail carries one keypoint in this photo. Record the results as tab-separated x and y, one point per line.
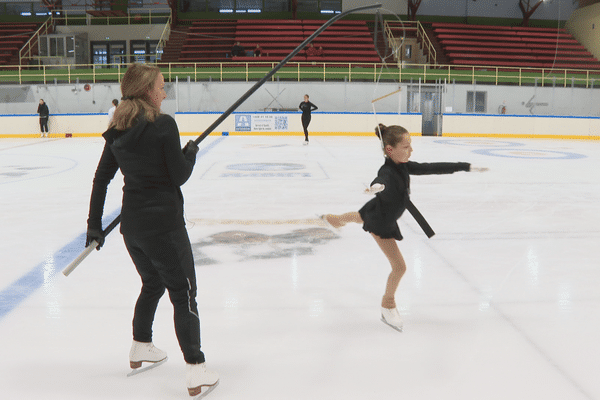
390	135
379	130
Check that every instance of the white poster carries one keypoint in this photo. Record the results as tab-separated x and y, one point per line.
261	122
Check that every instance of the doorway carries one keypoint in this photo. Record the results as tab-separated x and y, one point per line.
427	100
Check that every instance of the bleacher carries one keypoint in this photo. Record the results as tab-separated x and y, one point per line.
503	46
212	40
13	35
207	41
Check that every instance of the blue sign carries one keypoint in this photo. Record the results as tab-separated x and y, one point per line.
243	122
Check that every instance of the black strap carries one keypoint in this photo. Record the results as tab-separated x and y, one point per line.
419	218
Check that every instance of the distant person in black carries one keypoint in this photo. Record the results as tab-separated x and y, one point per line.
306	107
44	114
237	50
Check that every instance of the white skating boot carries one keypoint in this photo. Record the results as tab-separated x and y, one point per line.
391	317
145	352
200	381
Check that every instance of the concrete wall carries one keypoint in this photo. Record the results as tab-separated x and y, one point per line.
115	32
584	24
549	10
396	6
344	108
528	100
186	96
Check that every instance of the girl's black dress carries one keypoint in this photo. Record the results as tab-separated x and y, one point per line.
381	213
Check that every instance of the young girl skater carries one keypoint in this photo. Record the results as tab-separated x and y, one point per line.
379	215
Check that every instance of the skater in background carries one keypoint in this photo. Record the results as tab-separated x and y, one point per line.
238	50
111	111
145	145
379	216
312	51
306	107
44	115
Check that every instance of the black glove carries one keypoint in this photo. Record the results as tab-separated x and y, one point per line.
190	149
94	234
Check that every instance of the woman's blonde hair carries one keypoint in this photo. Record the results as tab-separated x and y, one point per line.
137	82
390	135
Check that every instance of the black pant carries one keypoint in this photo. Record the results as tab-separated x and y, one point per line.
44	124
166	261
305	122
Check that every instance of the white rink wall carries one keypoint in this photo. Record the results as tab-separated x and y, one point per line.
322	123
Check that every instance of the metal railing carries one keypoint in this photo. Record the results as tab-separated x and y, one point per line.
308	71
427	45
27	50
392	28
132	16
164	37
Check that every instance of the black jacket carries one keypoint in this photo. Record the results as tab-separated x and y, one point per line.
43	110
380	214
307	107
154	167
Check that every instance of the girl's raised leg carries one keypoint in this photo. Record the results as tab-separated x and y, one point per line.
337	221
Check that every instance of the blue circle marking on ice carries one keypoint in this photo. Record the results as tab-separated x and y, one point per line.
266	167
479	143
530	154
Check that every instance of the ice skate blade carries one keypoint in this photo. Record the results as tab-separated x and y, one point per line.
146	368
205	390
390	325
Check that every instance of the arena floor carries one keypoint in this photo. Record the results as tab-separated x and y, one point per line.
502	303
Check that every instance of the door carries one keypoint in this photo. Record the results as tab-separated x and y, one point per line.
427	100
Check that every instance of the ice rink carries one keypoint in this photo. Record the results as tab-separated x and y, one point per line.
502	303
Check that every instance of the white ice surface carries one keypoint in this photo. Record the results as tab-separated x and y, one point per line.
502	303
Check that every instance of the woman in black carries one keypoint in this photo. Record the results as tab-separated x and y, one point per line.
306	107
145	145
44	114
379	216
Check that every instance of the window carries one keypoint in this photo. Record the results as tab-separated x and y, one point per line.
108	52
70	41
143	50
57	47
476	102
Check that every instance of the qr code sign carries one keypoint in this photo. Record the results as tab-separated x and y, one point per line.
281	123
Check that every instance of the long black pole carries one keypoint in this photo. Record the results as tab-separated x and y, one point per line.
226	114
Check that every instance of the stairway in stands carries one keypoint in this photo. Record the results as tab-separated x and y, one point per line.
173	47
